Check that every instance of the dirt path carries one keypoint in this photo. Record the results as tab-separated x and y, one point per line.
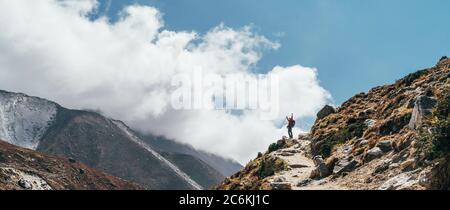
301	167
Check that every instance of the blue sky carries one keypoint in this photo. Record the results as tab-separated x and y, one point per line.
355	44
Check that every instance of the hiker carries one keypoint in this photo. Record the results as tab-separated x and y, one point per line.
291	124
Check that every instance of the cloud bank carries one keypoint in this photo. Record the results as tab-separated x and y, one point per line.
52	49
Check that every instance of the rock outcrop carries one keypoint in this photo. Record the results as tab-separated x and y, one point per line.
325	111
423	106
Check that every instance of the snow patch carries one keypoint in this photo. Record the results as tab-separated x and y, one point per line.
24	119
24	180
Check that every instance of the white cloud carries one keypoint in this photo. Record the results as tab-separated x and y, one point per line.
81	7
51	49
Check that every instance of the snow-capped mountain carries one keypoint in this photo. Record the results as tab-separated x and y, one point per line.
99	142
23	119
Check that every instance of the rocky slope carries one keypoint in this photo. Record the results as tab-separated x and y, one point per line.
393	137
24	169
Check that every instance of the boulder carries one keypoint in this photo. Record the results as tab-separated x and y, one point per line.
298	166
373	153
25	184
345	166
385	145
285	154
423	106
363	142
280	179
281	185
325	111
303	182
370	123
321	169
408	164
382	167
425	178
330	162
394	165
318	159
400	182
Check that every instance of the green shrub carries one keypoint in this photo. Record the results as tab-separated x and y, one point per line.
280	144
325	149
264	171
409	79
437	143
273	147
269	166
441	138
355	129
443	106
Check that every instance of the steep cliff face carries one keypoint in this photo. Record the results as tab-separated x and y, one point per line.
24	169
393	137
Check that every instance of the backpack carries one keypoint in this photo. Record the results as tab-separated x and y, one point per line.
291	123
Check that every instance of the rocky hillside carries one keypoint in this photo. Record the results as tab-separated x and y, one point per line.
88	137
393	137
24	169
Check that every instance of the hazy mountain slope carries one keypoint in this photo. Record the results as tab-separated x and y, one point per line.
100	143
225	166
198	170
24	169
